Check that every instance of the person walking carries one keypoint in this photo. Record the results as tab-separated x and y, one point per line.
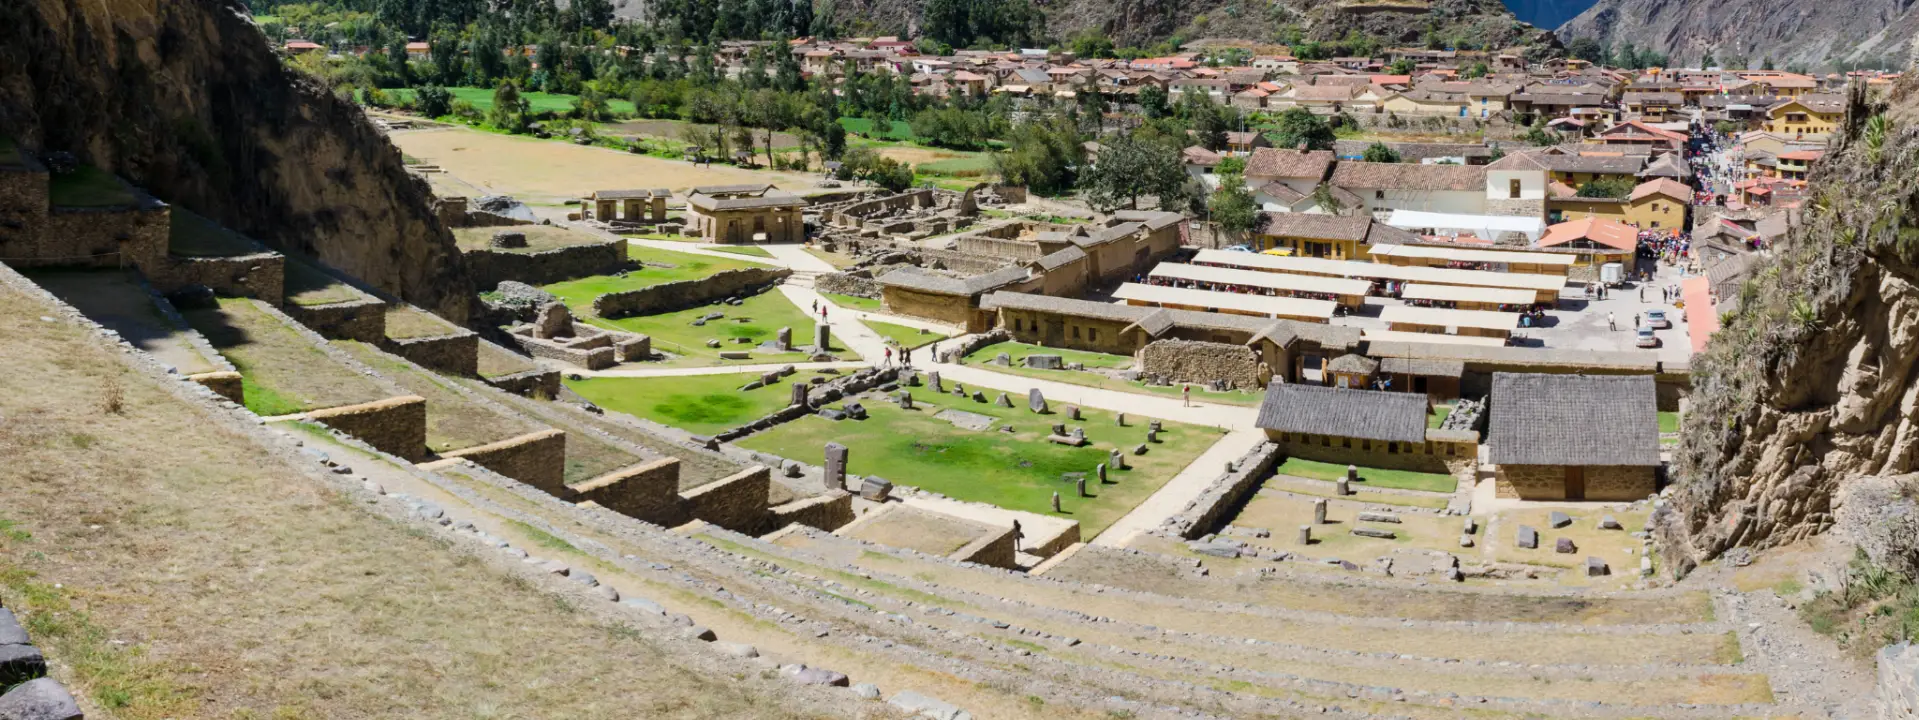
1186	395
906	357
1636	320
889	360
1610	323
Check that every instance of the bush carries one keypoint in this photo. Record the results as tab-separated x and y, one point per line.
432	101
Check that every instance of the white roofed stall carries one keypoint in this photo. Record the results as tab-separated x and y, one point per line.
1546	288
1225	302
1485	226
1502	257
1399	336
1350	292
1467	295
1484	323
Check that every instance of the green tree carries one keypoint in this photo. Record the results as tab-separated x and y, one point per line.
1401	66
432	100
1380	153
1477	70
1153	101
1232	206
1091	43
1298	126
1766	63
1044	155
1707	61
1231	165
1587	49
1131	167
509	111
1615	188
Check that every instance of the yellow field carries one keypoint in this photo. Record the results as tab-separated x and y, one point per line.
547	172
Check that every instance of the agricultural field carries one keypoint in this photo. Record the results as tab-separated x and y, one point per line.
482	99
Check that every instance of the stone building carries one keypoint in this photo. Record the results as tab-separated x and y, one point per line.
634	206
1368	428
1574	437
737	214
944	298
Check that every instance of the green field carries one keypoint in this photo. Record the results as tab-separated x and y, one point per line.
482	99
675	332
1669	422
853	302
1019	470
579	294
88	186
900	130
703	404
747	250
1020	350
1376	477
1438	416
973	166
903	336
1104	382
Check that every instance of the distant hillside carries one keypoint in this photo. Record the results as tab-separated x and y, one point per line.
1812	34
1547	13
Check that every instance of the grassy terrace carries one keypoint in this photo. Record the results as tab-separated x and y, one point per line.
703	404
282	371
540	238
903	336
496	361
454	420
1377	477
1019	351
88	186
747	250
307	285
1669	421
193	235
1018	470
853	302
675	332
406	323
664	266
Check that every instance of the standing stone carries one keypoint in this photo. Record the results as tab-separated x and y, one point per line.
1353	474
906	400
980	397
1528	538
1116	460
1153	436
1100	470
1646	567
1003	401
1079	436
552	321
1564	546
835	476
1153	426
1003	360
1073	412
1120	419
1056	502
1306	534
784	339
1607	522
1469	527
821	336
1320	511
1557	519
1035	401
1060	429
1080	484
933	379
875	488
1341	488
1596	567
1466	541
799	395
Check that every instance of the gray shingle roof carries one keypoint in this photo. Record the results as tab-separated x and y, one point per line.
1054	260
1418	366
917	279
1065	306
1551	419
1353	364
1499	357
1365	414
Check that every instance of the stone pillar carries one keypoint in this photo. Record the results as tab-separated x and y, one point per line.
834	476
784	338
799	395
933	380
1056	502
1341	488
1081	484
1320	512
1306	534
821	336
1353	474
1101	470
1116	460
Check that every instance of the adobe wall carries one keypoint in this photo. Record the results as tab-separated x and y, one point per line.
853	215
458	353
97	238
668	297
1428	456
1202	362
1009	249
858	283
827	512
647	491
1548	482
225	382
362	320
490	267
1225	494
737	502
961	262
952	352
949	309
259	275
536	458
396	425
1095	335
995	549
532	383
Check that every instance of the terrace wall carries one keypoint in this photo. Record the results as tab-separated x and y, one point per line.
458	353
737	502
949	309
362	320
1429	456
97	238
490	267
668	297
1203	362
647	491
1225	494
995	549
1012	249
858	283
227	383
258	275
827	512
396	425
1549	482
532	383
536	458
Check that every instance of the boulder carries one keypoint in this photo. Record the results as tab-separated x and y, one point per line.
921	706
1379	517
1557	520
39	699
19	663
1043	362
1564	546
1373	533
875	489
1596	567
1607	522
813	676
1527	538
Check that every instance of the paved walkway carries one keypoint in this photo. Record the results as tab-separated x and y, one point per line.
1182	489
796	256
693	249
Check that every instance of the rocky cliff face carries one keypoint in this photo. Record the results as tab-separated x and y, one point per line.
1548	13
1811	33
186	99
1809	386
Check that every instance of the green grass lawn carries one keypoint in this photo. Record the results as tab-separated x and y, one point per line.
899	130
1376	477
1020	350
971	166
747	250
674	332
1438	416
853	302
579	294
88	186
1669	422
1097	380
903	336
704	404
482	99
1018	470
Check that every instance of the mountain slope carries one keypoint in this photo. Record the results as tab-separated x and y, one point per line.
186	99
1815	34
1547	13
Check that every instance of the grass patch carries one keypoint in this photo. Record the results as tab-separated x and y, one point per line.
482	99
307	286
540	238
263	401
1874	607
1377	477
88	186
114	674
454	420
703	404
972	166
747	250
1669	421
286	370
1020	350
853	302
543	538
1018	470
903	336
675	332
897	130
662	266
406	323
1439	416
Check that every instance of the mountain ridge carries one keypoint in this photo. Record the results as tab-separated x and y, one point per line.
1804	34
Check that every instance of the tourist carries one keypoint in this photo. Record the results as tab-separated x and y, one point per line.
889	360
1186	395
1610	323
1636	319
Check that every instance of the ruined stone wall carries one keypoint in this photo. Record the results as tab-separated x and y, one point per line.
23	202
949	309
96	238
668	297
490	267
1225	494
827	512
532	383
952	352
1068	331
536	458
1426	456
995	549
1549	482
858	283
396	425
737	502
1202	362
648	491
1008	249
362	320
228	383
854	214
458	353
260	276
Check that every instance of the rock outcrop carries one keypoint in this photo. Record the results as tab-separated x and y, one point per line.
1815	34
1809	385
186	99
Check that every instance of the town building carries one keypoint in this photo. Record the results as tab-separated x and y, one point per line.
1573	437
1367	428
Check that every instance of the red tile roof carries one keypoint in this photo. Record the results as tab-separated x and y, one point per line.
1610	233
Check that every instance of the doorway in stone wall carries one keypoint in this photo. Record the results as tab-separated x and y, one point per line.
1576	482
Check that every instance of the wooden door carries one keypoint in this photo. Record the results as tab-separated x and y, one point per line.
1576	482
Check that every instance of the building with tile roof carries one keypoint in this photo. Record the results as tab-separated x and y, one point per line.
1573	437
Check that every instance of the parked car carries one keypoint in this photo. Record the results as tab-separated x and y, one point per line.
1644	337
1658	319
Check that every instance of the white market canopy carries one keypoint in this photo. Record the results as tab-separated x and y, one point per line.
1438	317
1265	280
1414	337
1486	226
1462	254
1240	303
1382	271
1461	293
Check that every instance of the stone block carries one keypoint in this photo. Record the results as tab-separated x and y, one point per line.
1116	460
1596	567
1341	488
735	355
1466	541
833	414
1373	533
834	476
39	699
1557	520
1527	538
19	663
1073	412
1044	362
1215	550
981	397
875	489
1607	522
933	381
1320	512
1003	360
1380	517
1140	449
1564	546
1003	401
799	396
804	675
856	411
1306	535
1035	401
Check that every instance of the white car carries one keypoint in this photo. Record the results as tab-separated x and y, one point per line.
1658	319
1643	337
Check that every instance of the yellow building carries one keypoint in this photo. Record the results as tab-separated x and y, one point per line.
1659	205
1334	237
1807	117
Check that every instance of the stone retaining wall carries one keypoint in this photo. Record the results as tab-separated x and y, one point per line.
853	215
1549	482
995	549
1431	456
954	351
1202	362
858	283
1225	494
827	512
362	320
97	238
668	297
228	383
532	383
458	353
737	502
396	425
490	267
1005	248
536	458
647	491
258	275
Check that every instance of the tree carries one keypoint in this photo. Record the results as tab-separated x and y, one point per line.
1130	168
1298	126
1380	153
1477	70
1402	66
1044	155
1614	188
509	111
1766	63
1707	61
833	140
1091	43
1587	49
432	100
1231	165
1232	206
1153	101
